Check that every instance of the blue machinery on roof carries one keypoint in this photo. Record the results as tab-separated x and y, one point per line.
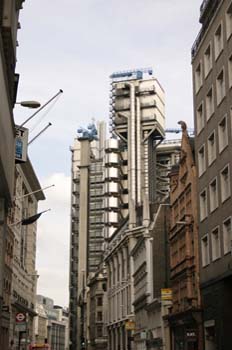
131	74
87	134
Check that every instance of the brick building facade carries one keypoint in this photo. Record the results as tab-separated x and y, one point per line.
185	316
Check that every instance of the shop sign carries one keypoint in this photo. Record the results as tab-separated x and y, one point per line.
166	294
191	335
130	325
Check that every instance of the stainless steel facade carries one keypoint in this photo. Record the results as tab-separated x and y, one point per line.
138	122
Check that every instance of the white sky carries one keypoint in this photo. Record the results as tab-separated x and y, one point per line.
75	45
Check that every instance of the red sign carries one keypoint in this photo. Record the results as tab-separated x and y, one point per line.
20	317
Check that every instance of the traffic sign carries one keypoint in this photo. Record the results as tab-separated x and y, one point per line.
20	317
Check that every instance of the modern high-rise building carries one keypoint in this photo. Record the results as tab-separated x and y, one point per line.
138	123
87	225
212	82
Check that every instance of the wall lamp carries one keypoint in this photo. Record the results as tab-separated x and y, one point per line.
183	223
29	104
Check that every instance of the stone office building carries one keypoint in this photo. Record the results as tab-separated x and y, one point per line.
9	13
24	274
212	82
151	276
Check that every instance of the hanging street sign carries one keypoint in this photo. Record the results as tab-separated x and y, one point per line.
21	142
166	294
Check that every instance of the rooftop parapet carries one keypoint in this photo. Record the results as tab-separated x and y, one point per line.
207	11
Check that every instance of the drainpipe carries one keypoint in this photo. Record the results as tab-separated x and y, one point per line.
138	150
132	157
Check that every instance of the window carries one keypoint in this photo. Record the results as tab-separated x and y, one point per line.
201	160
222	134
200	118
99	332
198	77
230	70
220	86
225	183
211	148
203	205
99	316
229	21
213	195
208	60
99	301
218	41
215	241
209	104
205	250
227	235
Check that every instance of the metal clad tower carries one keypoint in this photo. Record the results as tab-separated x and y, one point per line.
137	113
86	239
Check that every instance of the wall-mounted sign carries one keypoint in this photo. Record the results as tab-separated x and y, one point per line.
191	335
130	325
21	141
166	294
20	317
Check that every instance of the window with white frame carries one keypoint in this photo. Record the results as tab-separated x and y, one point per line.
225	183
208	62
201	160
230	70
218	41
198	77
205	250
215	242
227	235
203	205
200	118
209	103
229	21
222	134
213	195
220	86
211	148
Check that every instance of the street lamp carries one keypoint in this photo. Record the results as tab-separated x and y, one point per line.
29	104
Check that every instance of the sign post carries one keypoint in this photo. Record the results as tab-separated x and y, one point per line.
21	325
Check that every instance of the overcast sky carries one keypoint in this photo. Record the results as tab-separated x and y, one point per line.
75	45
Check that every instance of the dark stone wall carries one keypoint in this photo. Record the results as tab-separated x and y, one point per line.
217	305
